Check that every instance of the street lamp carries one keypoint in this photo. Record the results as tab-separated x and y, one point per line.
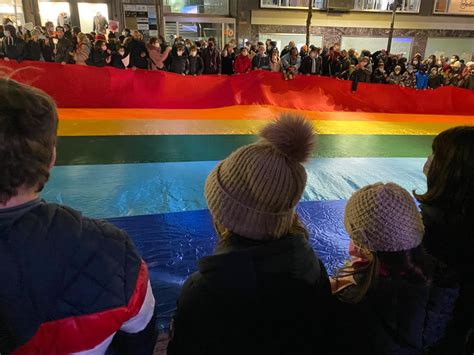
396	4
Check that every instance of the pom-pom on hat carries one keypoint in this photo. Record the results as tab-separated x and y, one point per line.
254	191
383	217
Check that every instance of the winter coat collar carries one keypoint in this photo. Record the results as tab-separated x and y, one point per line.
244	262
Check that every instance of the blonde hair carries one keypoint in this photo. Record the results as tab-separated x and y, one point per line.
224	234
82	38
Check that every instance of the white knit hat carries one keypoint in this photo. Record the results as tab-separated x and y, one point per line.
383	217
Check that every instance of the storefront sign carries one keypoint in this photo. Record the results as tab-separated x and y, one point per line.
462	7
142	18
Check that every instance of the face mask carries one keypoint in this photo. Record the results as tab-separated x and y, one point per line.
415	62
122	53
157	45
180	53
124	33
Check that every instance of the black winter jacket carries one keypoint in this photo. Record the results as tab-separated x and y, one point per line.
47	50
136	48
179	64
397	316
307	65
75	274
227	63
13	48
63	48
97	58
254	298
435	81
211	58
116	61
196	65
33	51
450	238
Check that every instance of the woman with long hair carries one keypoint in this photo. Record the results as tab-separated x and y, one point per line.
392	297
447	208
264	290
83	49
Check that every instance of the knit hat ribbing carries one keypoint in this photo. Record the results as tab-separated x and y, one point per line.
254	192
383	217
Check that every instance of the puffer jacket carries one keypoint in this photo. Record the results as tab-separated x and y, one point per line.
254	297
397	316
71	284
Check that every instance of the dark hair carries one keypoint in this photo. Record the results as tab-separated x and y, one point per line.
111	35
451	173
98	44
180	47
294	50
60	28
153	40
76	30
193	48
413	265
28	128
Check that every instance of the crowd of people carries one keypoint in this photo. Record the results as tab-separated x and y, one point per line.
63	44
71	284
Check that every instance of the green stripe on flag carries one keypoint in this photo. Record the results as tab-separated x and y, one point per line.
171	148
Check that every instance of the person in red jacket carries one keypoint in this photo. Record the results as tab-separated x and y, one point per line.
242	63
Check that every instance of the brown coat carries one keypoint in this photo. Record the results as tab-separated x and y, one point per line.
81	54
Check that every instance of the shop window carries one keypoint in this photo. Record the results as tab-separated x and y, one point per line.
454	7
89	13
195	31
211	7
400	45
292	4
12	10
463	47
58	13
387	5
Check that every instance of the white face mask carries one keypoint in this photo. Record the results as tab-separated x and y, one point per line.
124	33
6	33
122	53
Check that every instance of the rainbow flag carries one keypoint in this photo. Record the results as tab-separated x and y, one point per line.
136	147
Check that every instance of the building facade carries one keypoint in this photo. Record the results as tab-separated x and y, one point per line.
442	27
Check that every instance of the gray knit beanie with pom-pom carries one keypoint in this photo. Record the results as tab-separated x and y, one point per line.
254	192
